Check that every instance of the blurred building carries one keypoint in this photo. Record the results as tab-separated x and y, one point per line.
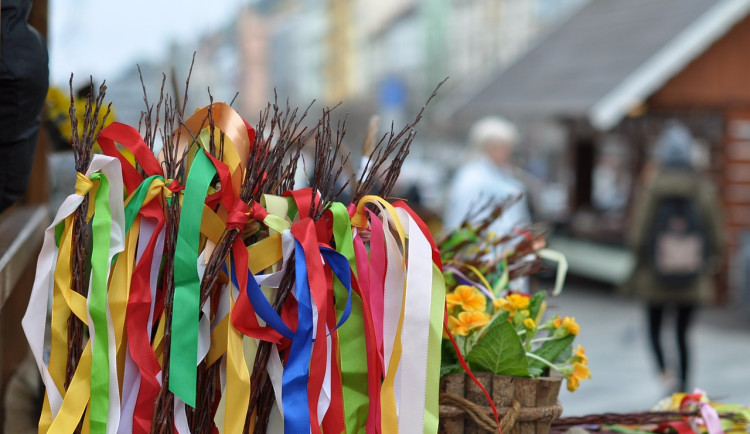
609	77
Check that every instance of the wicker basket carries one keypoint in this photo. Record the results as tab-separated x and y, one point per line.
526	405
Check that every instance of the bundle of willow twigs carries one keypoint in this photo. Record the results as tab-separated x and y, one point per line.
637	418
198	205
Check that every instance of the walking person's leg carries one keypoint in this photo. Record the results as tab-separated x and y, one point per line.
684	318
655	315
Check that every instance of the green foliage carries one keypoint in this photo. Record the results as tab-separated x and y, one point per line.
499	351
535	304
551	350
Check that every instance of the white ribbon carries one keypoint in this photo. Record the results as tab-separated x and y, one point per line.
35	319
416	328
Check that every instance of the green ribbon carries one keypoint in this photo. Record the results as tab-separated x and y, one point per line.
101	228
435	338
136	203
183	357
352	332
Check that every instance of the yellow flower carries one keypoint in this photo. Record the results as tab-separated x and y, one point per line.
529	323
513	303
468	297
500	303
572	384
569	323
581	354
518	301
580	372
467	321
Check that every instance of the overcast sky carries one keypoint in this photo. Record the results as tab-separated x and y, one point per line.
103	37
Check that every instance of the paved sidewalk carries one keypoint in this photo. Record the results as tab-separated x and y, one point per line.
613	332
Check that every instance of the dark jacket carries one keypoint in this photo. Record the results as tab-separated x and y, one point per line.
23	87
643	282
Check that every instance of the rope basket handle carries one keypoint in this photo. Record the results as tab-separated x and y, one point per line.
479	415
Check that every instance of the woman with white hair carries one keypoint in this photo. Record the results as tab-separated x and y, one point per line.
488	174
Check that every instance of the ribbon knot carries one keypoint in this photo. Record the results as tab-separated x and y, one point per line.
174	186
171	186
359	220
238	215
83	184
257	212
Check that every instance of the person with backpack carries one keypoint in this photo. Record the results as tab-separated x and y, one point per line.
677	238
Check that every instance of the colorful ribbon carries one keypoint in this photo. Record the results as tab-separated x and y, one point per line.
355	347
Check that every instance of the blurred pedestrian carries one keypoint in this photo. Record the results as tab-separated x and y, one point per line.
677	238
23	86
488	174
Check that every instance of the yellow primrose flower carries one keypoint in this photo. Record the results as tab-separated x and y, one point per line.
529	323
581	354
558	322
467	321
570	324
468	297
518	301
580	372
500	303
572	384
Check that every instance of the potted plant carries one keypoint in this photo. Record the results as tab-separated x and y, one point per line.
501	346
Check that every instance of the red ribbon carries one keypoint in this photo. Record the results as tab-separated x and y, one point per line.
238	215
304	232
304	199
334	418
138	311
175	186
466	368
132	140
257	212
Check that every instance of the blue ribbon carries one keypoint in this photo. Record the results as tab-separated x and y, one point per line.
297	370
260	303
340	266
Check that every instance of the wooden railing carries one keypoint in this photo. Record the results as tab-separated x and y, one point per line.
21	235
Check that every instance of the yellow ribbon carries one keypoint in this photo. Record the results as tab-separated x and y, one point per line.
359	220
264	253
119	291
389	416
76	398
60	313
238	379
83	184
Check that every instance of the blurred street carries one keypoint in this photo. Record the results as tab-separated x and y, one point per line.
613	332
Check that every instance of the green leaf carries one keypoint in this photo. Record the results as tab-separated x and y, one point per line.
535	304
535	372
447	353
499	351
550	350
564	355
502	317
454	368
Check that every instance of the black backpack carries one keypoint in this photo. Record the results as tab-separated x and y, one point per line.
677	243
